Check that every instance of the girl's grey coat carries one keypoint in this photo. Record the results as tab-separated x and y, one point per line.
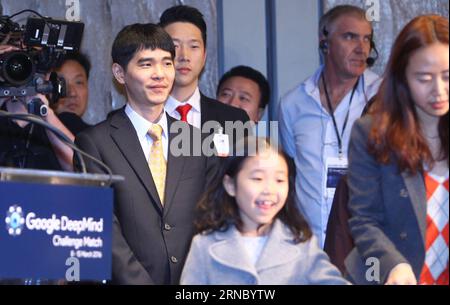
220	258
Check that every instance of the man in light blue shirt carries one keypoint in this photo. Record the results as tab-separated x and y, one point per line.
316	117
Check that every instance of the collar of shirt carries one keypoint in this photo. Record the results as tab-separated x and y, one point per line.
368	82
172	104
142	126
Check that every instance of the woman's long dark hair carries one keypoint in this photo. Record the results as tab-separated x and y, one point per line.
217	210
396	130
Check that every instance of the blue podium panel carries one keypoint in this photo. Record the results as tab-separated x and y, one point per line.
49	231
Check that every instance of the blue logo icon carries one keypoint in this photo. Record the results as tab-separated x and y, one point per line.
14	220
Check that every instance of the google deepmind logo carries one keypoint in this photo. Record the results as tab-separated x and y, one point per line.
14	220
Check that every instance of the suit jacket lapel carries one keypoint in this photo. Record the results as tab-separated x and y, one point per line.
125	137
417	194
203	110
175	166
206	114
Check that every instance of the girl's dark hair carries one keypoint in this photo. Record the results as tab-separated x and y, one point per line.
135	37
217	210
396	130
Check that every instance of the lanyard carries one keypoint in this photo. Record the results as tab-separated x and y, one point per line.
339	137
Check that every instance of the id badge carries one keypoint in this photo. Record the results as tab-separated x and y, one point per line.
222	144
335	168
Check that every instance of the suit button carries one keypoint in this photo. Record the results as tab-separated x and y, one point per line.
167	227
403	235
173	259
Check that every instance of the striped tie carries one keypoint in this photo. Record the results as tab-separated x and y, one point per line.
156	162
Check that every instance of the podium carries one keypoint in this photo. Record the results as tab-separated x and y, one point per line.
56	225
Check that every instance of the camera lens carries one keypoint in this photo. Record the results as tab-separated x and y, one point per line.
17	68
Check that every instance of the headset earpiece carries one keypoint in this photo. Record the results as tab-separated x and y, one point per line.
370	61
323	45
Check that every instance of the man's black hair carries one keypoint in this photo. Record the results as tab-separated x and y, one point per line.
80	58
135	37
251	74
184	13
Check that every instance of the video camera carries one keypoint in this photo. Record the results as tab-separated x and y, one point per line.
42	44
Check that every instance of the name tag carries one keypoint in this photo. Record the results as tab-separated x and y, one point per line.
335	168
222	144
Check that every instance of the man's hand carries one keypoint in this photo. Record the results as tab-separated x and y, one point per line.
5	48
42	97
402	274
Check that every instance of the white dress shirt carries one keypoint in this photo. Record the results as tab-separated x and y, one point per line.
142	126
194	115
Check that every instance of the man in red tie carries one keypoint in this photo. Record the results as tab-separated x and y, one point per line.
187	28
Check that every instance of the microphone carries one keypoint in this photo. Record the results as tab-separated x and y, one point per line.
370	61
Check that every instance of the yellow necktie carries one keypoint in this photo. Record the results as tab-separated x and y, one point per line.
156	162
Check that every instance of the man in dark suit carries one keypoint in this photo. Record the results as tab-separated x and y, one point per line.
187	28
154	206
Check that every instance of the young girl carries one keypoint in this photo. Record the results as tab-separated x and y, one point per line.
250	229
398	170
